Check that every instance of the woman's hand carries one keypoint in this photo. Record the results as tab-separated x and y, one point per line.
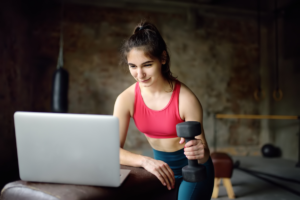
161	170
194	149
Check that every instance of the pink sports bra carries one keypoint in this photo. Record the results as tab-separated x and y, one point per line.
157	123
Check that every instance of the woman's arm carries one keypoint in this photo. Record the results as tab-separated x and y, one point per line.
191	110
123	110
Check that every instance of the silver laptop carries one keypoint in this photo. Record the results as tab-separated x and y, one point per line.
69	148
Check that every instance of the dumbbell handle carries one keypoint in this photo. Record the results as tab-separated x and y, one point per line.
193	163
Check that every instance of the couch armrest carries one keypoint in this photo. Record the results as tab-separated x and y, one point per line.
139	184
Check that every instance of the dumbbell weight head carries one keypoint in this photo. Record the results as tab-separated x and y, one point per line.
188	129
193	172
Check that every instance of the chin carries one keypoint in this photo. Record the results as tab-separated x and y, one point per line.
147	84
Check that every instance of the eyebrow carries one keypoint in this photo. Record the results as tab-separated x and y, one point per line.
150	61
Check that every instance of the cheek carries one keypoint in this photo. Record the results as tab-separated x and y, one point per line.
157	71
132	72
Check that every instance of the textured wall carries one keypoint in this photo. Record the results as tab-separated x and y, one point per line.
217	60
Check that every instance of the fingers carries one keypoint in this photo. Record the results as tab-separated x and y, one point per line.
195	155
182	140
166	175
193	143
194	149
160	176
162	171
164	179
171	176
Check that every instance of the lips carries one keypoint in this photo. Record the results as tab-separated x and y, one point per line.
143	81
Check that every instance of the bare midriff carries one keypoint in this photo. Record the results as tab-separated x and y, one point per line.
166	144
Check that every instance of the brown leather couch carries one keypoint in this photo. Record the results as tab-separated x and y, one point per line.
140	184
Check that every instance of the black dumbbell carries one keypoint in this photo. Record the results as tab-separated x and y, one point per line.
193	172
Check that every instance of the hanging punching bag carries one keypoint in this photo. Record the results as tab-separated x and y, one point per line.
59	101
60	91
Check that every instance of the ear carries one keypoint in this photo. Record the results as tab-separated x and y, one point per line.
163	57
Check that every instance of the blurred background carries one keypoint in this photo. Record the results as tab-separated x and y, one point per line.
221	49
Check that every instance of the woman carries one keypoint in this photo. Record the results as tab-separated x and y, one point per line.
157	102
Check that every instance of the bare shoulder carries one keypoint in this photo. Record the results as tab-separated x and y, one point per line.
128	93
125	100
189	106
186	95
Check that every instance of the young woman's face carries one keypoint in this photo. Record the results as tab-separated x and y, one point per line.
144	69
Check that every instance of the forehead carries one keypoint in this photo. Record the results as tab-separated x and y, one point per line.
138	56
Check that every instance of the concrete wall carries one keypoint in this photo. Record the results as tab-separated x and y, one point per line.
217	63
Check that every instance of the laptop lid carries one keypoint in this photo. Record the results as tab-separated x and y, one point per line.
68	148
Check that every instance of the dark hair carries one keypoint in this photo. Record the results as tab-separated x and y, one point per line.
147	37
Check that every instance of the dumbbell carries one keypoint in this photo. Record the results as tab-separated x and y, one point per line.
193	172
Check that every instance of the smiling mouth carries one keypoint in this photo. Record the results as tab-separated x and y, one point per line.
145	80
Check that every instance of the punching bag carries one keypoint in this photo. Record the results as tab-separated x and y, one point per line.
60	83
60	91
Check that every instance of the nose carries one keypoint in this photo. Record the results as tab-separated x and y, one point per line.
141	74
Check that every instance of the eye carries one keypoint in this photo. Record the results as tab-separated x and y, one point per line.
148	65
132	66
